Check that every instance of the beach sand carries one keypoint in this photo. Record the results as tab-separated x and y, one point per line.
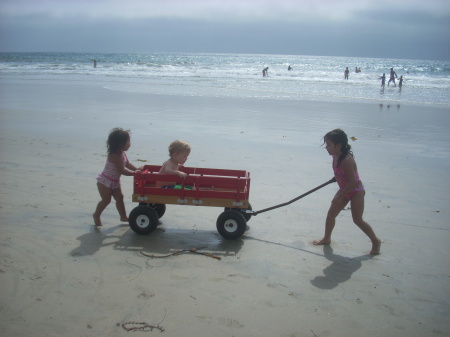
60	276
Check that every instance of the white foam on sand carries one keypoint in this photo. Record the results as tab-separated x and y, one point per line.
60	276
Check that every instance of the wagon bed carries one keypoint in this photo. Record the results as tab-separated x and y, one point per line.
201	187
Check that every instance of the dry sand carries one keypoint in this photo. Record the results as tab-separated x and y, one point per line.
59	276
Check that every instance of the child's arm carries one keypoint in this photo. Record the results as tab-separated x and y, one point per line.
170	168
131	167
118	162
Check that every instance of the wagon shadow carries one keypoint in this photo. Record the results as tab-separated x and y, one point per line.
169	240
162	241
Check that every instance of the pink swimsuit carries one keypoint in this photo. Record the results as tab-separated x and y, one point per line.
110	177
342	180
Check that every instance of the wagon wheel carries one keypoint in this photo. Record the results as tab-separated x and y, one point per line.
159	208
231	224
247	216
143	219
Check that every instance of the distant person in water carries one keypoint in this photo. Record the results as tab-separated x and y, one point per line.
400	82
392	77
265	70
383	80
357	70
346	72
289	68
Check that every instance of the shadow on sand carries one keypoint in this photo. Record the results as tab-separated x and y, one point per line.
340	271
162	241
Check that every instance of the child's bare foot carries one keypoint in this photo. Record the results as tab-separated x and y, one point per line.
97	220
124	219
376	248
321	242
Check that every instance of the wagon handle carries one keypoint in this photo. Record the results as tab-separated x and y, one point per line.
332	180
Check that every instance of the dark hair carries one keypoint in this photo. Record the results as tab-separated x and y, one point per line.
117	139
338	136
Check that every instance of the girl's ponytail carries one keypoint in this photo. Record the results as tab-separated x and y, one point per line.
338	136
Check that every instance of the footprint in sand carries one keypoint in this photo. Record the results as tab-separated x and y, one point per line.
228	322
144	295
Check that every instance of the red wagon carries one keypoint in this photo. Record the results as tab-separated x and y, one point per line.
202	187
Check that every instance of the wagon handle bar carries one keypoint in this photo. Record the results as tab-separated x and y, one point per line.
332	180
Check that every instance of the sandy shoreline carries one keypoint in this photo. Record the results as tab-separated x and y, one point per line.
60	276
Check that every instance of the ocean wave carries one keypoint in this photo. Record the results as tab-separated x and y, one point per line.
241	75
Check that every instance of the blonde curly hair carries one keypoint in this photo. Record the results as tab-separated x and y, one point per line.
178	146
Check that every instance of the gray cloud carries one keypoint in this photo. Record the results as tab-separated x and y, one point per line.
367	31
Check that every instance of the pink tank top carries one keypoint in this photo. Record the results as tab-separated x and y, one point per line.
341	178
110	177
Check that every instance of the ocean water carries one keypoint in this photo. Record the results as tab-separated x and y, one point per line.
240	75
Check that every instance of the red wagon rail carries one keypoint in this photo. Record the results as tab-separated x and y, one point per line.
201	187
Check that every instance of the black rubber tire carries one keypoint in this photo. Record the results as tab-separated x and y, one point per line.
159	208
247	216
231	224
143	219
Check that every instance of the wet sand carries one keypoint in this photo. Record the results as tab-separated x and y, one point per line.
60	275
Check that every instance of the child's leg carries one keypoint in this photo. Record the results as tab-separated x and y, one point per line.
333	212
357	205
105	194
118	196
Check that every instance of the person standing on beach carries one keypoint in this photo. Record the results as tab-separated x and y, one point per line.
383	80
392	77
108	182
350	189
346	72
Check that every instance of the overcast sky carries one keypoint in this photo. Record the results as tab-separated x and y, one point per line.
415	29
